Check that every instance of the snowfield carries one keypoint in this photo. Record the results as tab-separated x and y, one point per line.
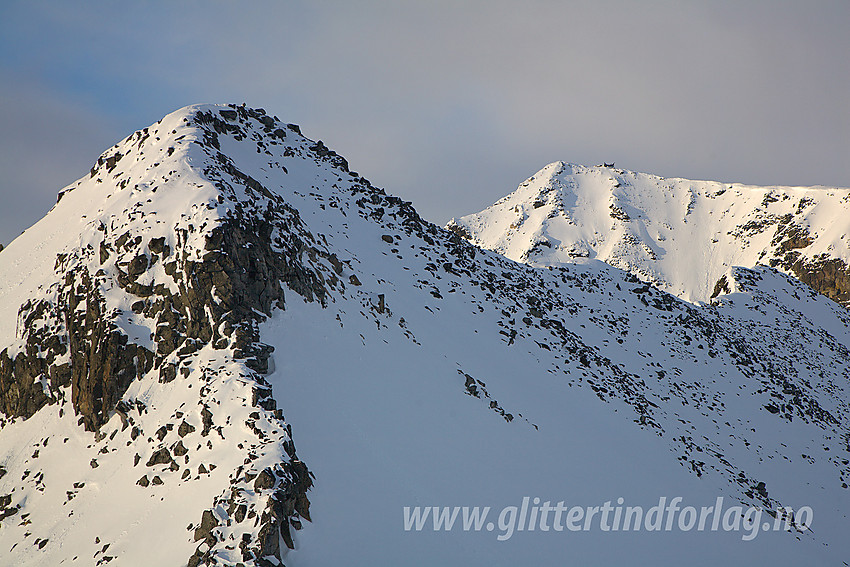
678	234
404	366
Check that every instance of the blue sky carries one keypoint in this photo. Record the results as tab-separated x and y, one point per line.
447	104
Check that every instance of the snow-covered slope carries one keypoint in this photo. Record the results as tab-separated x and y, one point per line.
679	234
221	290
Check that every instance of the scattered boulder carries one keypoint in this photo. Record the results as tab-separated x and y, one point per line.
160	457
179	449
185	429
208	523
265	480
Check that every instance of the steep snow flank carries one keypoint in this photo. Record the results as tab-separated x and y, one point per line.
380	421
679	234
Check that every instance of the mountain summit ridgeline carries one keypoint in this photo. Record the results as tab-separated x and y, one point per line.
222	346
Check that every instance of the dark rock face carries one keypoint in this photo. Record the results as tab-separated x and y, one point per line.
208	522
459	230
827	276
285	485
101	365
249	260
240	264
285	505
22	390
103	362
6	509
721	286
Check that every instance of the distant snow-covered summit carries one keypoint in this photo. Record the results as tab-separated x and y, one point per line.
679	234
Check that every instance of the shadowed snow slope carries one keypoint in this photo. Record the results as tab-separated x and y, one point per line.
221	290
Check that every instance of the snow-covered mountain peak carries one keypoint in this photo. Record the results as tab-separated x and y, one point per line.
133	309
223	341
676	233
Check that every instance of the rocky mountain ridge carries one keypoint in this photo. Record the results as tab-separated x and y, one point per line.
219	287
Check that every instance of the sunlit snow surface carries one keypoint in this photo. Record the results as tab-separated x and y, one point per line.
378	404
680	234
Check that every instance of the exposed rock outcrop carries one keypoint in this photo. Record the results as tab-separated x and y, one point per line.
214	296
